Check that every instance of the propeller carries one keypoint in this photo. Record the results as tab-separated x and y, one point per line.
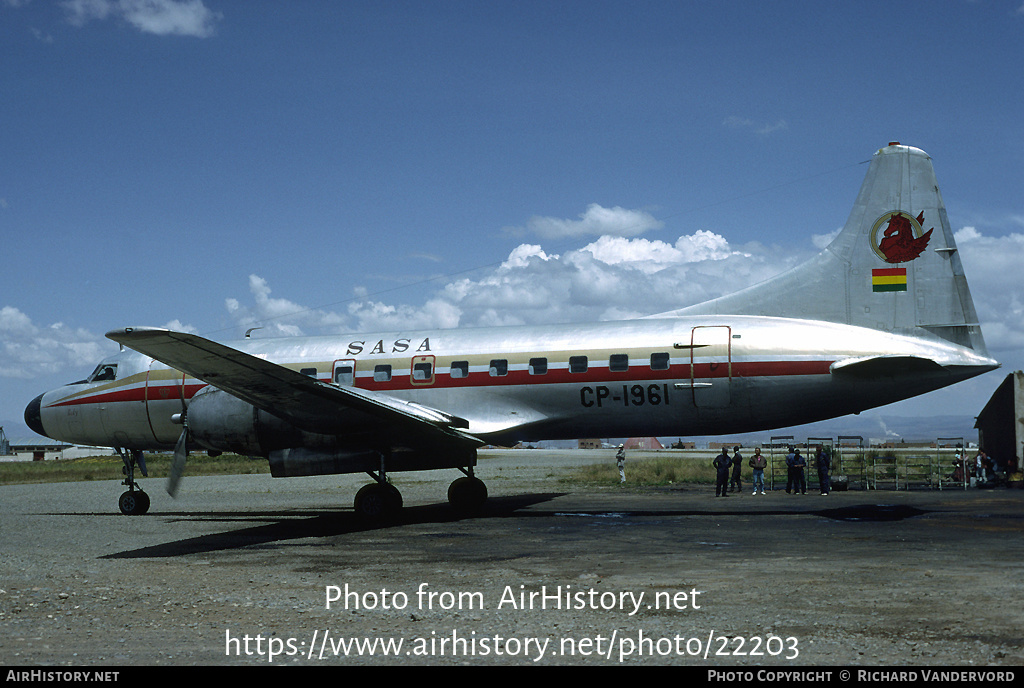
180	455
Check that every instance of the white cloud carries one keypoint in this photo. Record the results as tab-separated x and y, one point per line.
992	266
610	278
820	241
179	326
28	350
376	316
596	220
160	17
280	316
757	127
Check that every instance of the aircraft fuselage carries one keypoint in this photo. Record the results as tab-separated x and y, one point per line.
673	376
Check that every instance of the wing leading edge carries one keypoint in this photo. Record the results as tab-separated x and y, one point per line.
307	403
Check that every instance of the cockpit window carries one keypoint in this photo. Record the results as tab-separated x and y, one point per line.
104	372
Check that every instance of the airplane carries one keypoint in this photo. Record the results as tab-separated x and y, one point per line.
883	313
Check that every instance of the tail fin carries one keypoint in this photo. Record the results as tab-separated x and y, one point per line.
893	267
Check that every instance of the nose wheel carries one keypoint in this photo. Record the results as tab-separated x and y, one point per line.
133	503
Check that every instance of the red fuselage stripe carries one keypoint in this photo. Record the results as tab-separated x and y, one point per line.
518	378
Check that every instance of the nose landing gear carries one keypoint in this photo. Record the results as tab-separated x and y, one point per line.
135	501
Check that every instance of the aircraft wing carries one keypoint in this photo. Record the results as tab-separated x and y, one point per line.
307	403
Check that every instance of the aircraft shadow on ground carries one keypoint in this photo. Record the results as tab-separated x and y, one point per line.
312	523
323	523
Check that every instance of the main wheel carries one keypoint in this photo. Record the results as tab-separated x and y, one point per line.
467	495
377	502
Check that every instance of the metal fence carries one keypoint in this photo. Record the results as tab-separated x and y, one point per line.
855	466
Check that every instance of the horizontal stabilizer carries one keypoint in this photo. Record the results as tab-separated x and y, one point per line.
884	366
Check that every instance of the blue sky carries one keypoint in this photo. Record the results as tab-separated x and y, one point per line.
316	167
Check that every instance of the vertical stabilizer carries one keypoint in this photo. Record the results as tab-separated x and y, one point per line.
894	266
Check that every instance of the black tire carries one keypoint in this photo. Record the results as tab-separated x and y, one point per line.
133	503
377	502
467	495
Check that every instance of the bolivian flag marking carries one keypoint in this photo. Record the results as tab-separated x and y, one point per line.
889	279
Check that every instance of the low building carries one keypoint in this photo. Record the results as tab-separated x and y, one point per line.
1001	423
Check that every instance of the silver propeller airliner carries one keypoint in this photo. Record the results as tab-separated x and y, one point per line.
882	314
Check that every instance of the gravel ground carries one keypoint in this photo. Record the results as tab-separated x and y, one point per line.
239	570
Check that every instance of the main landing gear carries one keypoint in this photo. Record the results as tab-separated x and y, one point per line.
135	501
381	501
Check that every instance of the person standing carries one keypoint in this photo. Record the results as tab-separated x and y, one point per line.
799	464
620	462
824	465
790	471
734	484
758	463
721	464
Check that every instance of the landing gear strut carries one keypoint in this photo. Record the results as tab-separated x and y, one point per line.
135	501
380	500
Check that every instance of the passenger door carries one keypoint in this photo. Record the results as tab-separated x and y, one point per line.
711	365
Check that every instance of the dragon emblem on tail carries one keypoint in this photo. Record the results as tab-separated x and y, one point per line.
902	239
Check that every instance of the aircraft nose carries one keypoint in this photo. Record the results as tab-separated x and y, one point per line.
34	416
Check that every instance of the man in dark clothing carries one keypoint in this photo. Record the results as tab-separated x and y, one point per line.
800	480
734	484
721	464
824	464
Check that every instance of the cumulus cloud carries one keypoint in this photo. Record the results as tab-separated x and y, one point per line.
596	220
992	266
820	241
281	316
609	278
28	350
160	17
614	276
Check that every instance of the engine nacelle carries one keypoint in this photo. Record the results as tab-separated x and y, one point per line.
222	422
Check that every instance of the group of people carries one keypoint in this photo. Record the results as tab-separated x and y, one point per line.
728	471
980	470
796	481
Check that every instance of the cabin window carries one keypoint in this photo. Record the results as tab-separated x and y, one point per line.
309	372
577	364
618	363
344	375
382	373
422	371
538	366
659	361
460	369
498	367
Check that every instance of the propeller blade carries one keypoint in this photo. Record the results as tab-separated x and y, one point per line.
178	465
